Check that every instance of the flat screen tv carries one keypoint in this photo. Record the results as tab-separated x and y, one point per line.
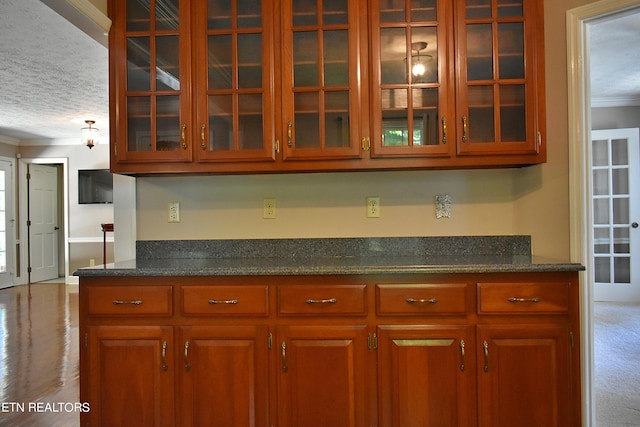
95	186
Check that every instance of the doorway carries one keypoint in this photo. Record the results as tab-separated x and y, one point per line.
7	221
59	245
579	119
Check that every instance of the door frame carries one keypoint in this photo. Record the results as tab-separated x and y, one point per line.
579	126
24	212
11	235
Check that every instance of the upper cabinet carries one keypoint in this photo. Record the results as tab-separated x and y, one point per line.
248	86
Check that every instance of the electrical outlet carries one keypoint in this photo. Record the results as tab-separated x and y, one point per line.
373	207
174	212
269	208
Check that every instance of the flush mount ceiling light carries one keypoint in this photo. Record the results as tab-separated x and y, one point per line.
90	134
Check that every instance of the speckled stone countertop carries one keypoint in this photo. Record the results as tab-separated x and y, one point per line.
386	255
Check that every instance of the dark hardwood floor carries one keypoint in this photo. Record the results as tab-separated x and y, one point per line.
39	356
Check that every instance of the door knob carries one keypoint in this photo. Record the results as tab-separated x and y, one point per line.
634	225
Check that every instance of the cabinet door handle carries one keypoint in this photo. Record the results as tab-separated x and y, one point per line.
515	299
223	301
165	367
285	368
322	301
290	134
485	347
444	130
462	355
422	301
464	128
187	365
183	133
132	302
202	137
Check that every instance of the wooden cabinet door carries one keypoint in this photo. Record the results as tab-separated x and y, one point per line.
150	82
426	376
500	79
130	376
321	79
223	380
323	376
234	89
412	79
524	376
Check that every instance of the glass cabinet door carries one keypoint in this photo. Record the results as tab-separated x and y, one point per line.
497	90
154	104
234	72
411	77
321	101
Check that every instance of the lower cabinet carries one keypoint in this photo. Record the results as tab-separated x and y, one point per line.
459	350
129	376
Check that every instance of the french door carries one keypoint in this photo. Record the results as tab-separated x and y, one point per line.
6	224
615	213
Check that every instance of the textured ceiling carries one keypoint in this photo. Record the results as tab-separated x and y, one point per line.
614	60
53	76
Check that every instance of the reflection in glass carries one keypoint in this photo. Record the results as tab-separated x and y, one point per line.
249	61
601	211
622	270
425	112
168	132
393	54
250	122
600	182
334	12
479	52
511	50
219	14
305	12
220	122
167	63
510	8
423	10
478	9
139	123
602	240
513	119
336	58
619	154
249	13
602	269
138	63
620	181
393	11
337	119
424	55
138	16
305	59
167	15
480	123
600	153
307	120
621	210
220	65
621	238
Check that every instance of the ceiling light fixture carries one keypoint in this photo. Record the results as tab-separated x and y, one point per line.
418	68
90	134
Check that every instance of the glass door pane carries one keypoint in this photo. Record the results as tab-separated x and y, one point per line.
231	121
615	233
409	94
155	128
321	87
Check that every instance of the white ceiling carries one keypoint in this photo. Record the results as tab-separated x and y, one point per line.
53	76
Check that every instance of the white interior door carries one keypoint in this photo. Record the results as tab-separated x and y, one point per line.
615	213
43	220
7	221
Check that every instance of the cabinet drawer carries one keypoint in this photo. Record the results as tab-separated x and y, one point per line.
420	299
340	300
129	300
548	297
225	300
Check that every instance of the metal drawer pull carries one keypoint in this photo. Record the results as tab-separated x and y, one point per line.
187	365
462	354
514	299
322	301
165	367
285	368
133	302
485	346
422	301
223	301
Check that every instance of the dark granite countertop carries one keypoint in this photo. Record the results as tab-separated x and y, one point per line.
465	254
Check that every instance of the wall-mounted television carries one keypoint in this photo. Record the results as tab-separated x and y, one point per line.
95	186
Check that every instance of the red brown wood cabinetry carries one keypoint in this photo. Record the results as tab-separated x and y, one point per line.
458	350
285	86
